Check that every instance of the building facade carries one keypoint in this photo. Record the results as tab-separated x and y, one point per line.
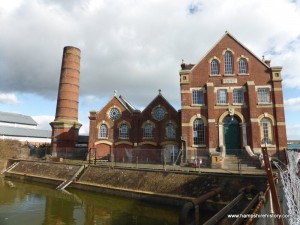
231	99
119	132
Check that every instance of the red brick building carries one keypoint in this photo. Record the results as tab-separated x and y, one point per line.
119	132
231	99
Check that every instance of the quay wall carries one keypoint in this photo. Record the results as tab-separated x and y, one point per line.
165	187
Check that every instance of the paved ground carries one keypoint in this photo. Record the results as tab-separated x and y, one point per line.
183	168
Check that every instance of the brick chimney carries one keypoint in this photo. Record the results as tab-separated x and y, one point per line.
65	127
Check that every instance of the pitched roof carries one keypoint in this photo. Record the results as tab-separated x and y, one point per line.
24	132
7	117
192	66
125	103
159	96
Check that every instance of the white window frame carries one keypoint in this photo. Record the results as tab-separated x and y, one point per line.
170	130
222	100
103	131
266	131
263	95
198	132
148	130
214	67
238	96
124	132
228	63
243	66
196	97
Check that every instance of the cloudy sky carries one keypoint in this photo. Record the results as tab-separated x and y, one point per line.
135	47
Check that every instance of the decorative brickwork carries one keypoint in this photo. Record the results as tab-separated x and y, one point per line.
258	94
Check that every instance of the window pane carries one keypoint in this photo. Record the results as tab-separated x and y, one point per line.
222	96
214	67
263	95
103	131
238	96
243	66
198	132
228	62
266	131
148	131
170	131
198	97
123	131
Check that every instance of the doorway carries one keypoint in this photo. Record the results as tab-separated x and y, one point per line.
232	137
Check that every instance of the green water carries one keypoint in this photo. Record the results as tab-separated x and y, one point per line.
36	204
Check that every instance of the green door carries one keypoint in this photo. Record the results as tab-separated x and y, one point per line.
232	137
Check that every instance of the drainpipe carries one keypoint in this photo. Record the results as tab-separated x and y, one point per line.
183	146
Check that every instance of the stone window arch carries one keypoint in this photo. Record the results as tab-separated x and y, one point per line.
228	62
243	66
148	129
266	131
124	131
103	131
170	130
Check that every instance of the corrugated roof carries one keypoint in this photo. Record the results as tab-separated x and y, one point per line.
16	118
24	132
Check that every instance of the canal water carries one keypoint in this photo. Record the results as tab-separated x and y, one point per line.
38	204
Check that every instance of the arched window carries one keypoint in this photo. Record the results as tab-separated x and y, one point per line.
103	131
243	66
148	131
124	131
228	62
214	67
170	131
266	131
198	132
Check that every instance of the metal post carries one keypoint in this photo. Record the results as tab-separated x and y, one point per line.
272	185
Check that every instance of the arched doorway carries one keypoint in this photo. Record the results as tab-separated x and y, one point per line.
232	137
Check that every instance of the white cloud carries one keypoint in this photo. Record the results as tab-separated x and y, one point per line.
293	132
292	104
43	121
8	98
136	47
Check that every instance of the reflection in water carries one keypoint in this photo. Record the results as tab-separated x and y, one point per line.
37	204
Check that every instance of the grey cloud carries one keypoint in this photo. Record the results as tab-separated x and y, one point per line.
134	47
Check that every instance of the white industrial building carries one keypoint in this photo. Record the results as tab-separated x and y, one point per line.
23	128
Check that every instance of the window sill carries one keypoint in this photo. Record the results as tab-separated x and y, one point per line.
240	104
197	105
215	75
264	103
268	145
243	74
229	75
105	138
198	146
148	138
222	104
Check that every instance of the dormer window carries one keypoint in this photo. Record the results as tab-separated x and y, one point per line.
214	67
243	66
228	62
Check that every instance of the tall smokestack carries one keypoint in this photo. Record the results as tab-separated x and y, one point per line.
65	127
